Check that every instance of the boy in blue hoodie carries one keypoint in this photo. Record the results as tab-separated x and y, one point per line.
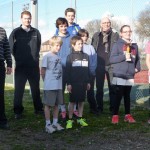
62	25
72	28
89	49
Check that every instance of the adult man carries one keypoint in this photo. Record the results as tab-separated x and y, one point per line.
25	42
103	42
5	55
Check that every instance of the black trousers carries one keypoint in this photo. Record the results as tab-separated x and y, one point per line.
100	79
21	77
3	119
122	92
91	95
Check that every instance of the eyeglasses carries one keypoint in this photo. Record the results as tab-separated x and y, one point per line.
126	31
105	22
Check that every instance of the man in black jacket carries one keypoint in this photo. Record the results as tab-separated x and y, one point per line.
5	55
103	42
25	42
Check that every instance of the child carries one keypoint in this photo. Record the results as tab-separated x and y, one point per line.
125	61
147	50
51	72
89	49
62	24
77	70
73	28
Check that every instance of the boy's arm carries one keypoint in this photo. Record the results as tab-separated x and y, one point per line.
43	70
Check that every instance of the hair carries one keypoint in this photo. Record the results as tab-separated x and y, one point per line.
74	39
105	17
55	39
70	10
121	29
83	32
26	13
61	21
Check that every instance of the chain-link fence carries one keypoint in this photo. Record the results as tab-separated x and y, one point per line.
133	12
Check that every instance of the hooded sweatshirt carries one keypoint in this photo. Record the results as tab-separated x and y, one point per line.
65	48
122	68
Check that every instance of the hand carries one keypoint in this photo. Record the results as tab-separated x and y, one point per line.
8	70
88	86
136	70
69	88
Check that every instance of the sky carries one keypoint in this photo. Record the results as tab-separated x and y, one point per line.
50	10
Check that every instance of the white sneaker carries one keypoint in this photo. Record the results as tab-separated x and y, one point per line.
49	129
58	127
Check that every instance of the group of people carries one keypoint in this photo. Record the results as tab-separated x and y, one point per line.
71	63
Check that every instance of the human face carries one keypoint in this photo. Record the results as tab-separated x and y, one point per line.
78	45
70	17
26	20
84	38
105	24
126	33
55	48
62	29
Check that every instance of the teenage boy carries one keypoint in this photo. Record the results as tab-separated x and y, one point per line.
62	24
77	68
5	55
25	42
73	28
89	49
51	72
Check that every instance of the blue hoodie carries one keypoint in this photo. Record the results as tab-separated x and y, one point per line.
122	68
65	48
89	49
73	29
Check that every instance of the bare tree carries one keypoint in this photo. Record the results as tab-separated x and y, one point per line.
142	26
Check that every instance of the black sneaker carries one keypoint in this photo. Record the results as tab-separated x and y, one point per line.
4	126
95	112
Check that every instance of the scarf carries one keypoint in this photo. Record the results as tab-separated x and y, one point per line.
105	39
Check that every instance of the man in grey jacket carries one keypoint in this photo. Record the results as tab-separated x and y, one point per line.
102	42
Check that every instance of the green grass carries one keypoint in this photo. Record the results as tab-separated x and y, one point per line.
28	133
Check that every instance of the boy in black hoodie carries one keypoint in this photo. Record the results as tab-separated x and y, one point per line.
77	71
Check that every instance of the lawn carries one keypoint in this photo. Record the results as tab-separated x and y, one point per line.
28	133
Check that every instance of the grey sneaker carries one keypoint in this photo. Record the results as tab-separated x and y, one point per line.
49	129
58	127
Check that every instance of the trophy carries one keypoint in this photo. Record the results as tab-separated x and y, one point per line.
128	51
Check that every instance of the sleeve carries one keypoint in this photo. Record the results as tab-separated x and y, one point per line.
93	61
39	40
147	48
44	62
116	55
7	53
11	42
68	69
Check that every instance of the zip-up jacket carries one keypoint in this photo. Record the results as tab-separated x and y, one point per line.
25	47
72	30
5	53
122	68
65	48
98	43
77	68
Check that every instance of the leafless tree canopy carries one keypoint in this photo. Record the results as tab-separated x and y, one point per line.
143	24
